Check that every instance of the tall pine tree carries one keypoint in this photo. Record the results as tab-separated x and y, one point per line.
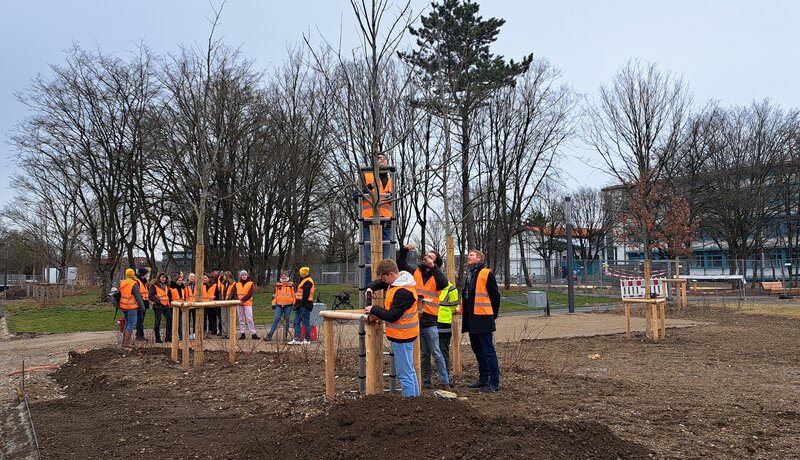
456	66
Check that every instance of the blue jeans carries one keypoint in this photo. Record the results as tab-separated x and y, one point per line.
488	366
281	311
404	367
302	314
130	319
429	345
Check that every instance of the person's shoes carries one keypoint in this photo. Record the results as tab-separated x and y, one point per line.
140	339
268	338
168	338
242	336
490	389
293	342
226	336
447	387
427	386
452	386
158	340
476	385
255	337
305	342
191	336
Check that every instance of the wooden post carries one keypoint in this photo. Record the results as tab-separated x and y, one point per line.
654	317
627	319
174	345
330	361
374	344
185	332
198	336
647	330
418	361
455	338
232	334
455	346
663	319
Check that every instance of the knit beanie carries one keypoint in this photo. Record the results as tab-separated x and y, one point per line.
129	273
304	271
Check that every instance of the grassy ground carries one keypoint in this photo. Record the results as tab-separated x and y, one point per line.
82	311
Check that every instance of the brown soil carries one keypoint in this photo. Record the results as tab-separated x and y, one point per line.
727	389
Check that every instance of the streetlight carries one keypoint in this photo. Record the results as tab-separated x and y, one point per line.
570	255
603	271
788	266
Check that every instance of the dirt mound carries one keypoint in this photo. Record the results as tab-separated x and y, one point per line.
395	428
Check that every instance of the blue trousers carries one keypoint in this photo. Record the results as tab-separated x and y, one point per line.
404	367
429	346
302	315
488	365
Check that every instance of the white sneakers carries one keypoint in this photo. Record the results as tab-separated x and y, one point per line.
298	342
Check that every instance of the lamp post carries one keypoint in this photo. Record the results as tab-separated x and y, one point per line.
788	266
604	268
570	255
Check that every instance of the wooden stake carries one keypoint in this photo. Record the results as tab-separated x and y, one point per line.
330	361
455	346
374	344
654	318
627	319
232	334
174	345
663	320
418	362
198	336
185	332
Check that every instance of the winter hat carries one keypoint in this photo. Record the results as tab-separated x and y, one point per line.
141	271
304	271
129	273
242	273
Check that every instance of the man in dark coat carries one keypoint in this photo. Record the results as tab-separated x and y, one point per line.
481	304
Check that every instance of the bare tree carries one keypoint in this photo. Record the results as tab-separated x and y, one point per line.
636	127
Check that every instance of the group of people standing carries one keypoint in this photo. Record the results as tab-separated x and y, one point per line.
136	295
422	305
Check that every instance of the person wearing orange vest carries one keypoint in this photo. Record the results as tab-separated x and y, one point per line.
243	292
481	304
141	281
213	314
209	294
402	322
191	282
177	291
282	303
159	296
429	282
385	189
303	304
225	284
130	301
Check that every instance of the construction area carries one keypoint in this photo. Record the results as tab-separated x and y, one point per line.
722	383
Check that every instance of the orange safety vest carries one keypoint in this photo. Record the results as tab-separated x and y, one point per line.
483	304
209	293
177	295
142	289
385	196
407	327
224	293
242	290
298	294
190	292
126	300
163	297
284	294
429	291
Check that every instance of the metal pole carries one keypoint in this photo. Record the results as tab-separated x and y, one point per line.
5	276
570	255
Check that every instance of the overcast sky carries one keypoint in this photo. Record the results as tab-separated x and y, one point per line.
731	51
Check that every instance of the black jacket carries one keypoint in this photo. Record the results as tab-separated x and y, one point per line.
478	324
425	319
402	301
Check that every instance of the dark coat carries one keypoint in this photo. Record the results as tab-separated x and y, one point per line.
478	324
